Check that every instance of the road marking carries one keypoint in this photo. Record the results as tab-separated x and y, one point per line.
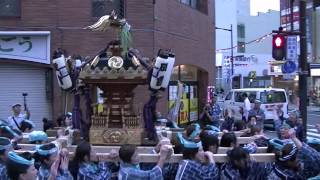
313	114
311	138
313	134
313	130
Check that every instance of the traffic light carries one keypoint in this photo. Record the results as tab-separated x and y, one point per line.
278	47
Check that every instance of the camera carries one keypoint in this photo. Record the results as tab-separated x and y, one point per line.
24	94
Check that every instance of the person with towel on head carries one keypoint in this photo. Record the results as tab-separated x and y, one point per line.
240	166
210	140
38	137
5	147
129	164
27	126
294	159
53	163
21	166
13	134
16	119
87	165
196	164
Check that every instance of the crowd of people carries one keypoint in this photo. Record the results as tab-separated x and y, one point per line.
295	158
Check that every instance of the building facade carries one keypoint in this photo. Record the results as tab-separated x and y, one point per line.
312	38
60	24
251	45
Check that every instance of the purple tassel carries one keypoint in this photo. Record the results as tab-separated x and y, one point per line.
149	116
86	124
76	116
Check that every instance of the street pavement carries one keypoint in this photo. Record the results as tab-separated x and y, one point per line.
313	119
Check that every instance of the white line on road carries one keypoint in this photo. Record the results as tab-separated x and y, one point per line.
313	134
310	138
312	130
314	114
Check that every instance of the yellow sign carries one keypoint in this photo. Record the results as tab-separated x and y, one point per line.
184	111
194	109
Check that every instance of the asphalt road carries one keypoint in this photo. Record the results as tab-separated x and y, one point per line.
313	118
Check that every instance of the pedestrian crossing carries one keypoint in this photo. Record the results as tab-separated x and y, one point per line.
312	132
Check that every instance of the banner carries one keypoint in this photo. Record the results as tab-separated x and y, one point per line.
25	45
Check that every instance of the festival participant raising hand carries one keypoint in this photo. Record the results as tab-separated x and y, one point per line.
295	160
50	157
84	159
54	169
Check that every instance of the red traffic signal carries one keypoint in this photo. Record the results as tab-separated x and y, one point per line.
278	47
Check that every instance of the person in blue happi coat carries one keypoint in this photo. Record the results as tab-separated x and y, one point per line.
129	164
240	166
21	166
196	164
294	159
89	166
5	147
53	162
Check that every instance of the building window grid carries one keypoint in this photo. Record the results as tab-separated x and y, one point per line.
241	31
103	7
241	38
200	5
241	47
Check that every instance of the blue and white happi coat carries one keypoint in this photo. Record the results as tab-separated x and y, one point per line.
44	173
132	172
3	171
192	170
92	171
309	161
253	171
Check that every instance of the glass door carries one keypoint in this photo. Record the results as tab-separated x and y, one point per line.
189	102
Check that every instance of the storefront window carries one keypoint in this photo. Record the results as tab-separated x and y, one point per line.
188	73
175	74
189	101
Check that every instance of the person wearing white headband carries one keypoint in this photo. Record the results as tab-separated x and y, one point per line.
294	160
38	137
53	163
196	163
21	166
5	147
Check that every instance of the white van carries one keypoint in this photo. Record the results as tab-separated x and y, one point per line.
269	97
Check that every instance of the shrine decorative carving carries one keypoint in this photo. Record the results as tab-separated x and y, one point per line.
116	121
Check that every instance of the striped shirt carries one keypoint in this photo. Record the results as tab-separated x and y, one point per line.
44	173
92	171
130	172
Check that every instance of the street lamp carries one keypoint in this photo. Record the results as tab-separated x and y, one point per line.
231	34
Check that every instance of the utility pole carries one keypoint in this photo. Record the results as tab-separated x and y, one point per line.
232	65
303	67
231	37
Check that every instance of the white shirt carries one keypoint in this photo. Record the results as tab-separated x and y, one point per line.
18	119
247	107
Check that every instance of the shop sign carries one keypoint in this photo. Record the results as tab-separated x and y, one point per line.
292	48
25	45
288	76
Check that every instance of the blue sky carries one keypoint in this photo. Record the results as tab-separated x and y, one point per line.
263	6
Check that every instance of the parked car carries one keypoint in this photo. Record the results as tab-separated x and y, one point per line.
270	98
